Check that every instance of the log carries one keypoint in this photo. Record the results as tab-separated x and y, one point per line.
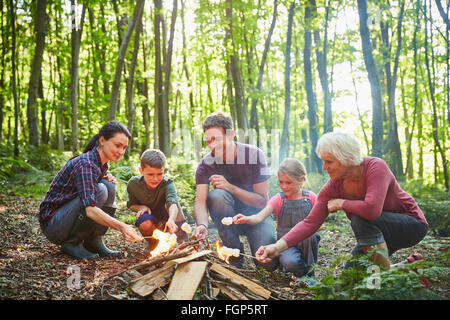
186	279
189	258
146	284
231	292
250	285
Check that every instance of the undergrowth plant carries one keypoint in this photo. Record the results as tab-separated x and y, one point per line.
368	281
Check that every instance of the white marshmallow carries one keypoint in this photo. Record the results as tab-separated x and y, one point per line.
227	221
186	227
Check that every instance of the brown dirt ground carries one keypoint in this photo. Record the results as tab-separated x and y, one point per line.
32	268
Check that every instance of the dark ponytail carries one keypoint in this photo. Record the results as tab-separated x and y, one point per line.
107	131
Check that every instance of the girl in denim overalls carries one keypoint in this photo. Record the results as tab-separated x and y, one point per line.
290	206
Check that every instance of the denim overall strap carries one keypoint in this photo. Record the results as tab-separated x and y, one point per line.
291	213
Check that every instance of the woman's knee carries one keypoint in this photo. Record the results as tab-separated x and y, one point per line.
106	193
360	225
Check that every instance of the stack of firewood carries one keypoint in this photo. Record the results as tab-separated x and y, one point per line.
190	269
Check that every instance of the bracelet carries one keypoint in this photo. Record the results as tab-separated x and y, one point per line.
201	224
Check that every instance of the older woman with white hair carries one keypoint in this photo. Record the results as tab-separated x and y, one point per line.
383	216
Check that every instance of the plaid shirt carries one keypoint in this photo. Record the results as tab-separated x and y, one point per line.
78	178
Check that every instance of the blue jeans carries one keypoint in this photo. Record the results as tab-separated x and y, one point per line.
397	230
59	227
294	260
222	204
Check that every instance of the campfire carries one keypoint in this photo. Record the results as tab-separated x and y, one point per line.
166	242
177	272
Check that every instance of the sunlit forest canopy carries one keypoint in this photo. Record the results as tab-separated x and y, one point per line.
287	71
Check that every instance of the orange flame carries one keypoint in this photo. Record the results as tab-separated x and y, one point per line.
166	242
225	253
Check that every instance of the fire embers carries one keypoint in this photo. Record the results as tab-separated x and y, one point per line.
166	241
225	253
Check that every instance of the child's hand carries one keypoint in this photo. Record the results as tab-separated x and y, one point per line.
243	219
171	226
142	211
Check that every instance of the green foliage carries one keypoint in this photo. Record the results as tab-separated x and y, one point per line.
183	176
434	203
29	175
367	281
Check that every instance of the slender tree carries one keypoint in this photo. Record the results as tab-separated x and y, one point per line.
284	146
433	103
235	70
76	42
40	19
375	87
253	112
310	96
392	147
12	9
114	100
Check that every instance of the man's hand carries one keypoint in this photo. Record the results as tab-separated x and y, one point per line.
335	205
200	232
220	182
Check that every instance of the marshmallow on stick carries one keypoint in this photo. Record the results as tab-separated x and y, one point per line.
227	221
186	227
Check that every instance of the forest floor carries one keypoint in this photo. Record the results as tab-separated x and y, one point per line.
32	268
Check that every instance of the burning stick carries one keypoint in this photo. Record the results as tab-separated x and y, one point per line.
225	253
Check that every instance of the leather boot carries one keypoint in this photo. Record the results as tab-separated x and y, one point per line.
73	246
94	241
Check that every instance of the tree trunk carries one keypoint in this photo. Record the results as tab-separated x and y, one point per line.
12	9
142	88
435	119
114	101
158	85
76	40
321	56
241	111
312	106
409	163
253	113
375	87
284	144
130	80
392	148
185	65
164	121
32	112
103	56
5	45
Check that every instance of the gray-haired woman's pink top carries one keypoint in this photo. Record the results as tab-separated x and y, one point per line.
380	192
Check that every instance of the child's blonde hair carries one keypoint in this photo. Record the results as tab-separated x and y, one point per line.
292	168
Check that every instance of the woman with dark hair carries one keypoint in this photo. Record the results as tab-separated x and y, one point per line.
79	205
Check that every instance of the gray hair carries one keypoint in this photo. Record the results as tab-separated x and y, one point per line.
343	146
153	158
